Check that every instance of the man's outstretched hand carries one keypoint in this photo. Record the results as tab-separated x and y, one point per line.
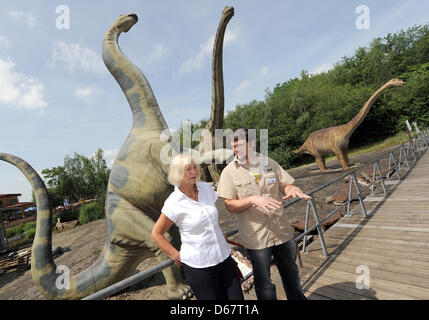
294	191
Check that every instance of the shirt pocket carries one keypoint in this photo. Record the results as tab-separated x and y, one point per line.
271	183
245	188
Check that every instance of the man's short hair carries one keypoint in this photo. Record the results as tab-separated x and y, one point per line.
242	133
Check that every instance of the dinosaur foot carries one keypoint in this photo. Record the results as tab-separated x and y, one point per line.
180	292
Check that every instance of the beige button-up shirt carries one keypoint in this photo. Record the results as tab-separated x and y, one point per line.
238	180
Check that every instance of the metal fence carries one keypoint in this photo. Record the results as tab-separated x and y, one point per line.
407	155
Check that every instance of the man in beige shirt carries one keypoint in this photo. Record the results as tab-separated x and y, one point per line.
250	186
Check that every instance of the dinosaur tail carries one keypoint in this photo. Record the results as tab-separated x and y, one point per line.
52	281
301	150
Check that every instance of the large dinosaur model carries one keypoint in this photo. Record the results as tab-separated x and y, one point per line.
136	191
336	139
217	106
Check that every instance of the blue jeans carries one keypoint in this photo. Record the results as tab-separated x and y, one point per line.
284	257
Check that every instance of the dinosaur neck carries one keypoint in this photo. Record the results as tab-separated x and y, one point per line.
144	107
218	104
357	120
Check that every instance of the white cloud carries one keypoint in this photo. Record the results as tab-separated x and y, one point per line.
159	53
20	90
206	49
4	42
243	86
86	94
75	57
264	71
322	68
29	19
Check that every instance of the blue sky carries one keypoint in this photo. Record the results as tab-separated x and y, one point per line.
57	97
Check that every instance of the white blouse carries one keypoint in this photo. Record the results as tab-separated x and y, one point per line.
203	243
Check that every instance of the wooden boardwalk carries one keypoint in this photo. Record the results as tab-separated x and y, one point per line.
382	256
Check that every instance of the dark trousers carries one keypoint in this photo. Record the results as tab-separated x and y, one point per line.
219	282
284	257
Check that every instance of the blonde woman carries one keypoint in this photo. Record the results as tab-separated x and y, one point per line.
205	256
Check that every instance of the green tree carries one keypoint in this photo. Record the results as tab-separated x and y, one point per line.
79	177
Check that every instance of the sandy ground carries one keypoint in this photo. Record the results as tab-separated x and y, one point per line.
86	241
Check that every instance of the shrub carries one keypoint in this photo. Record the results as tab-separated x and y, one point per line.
30	233
90	212
69	214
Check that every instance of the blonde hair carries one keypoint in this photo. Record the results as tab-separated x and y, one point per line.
177	168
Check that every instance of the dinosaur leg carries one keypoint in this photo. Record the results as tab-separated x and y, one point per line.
344	159
320	160
131	229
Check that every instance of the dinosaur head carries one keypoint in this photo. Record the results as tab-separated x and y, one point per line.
125	22
227	13
395	83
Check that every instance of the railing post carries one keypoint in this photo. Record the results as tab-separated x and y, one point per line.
319	228
402	151
307	213
350	197
373	180
376	163
417	140
412	149
359	194
396	167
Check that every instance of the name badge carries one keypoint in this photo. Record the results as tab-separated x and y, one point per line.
271	180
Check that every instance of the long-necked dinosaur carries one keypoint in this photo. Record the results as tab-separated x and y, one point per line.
136	191
322	142
207	141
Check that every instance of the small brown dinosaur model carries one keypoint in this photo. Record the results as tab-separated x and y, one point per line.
322	142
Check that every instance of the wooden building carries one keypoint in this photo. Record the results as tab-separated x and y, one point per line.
12	209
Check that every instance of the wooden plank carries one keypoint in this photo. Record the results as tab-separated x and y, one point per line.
370	293
385	259
387	216
406	221
315	296
359	245
380	244
381	227
387	234
360	258
415	271
376	283
386	272
382	248
332	292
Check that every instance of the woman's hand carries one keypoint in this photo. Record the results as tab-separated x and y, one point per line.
161	226
176	258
